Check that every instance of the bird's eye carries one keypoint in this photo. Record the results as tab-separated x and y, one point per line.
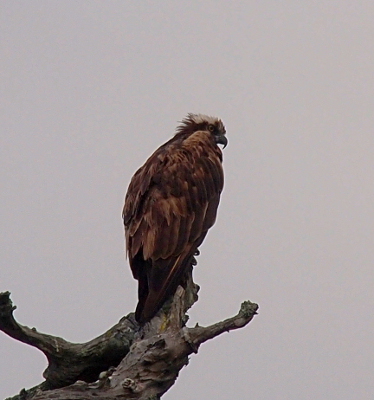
211	128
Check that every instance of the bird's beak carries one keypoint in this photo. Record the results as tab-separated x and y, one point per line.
222	139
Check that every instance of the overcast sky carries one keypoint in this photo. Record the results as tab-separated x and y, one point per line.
90	89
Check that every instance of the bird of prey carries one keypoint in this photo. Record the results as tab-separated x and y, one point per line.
170	205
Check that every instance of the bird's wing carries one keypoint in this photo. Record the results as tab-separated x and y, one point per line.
170	205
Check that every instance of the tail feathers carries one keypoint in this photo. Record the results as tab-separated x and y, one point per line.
147	309
149	305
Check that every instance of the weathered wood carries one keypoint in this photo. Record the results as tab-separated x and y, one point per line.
128	361
69	362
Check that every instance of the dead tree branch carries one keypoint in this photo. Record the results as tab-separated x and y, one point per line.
69	362
126	362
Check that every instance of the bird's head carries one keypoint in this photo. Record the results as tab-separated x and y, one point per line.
200	122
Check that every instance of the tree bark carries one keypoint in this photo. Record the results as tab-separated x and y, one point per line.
126	362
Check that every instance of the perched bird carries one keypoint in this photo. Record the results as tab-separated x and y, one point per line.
169	207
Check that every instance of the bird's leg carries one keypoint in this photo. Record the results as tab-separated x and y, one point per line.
193	259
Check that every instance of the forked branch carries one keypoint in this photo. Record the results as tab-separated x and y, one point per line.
128	361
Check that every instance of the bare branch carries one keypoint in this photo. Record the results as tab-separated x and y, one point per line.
145	360
69	362
199	334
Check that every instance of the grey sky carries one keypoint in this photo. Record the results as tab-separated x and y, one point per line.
90	89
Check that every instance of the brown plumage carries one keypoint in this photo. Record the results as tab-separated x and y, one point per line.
170	204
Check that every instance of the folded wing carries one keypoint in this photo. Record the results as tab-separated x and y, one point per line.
170	205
